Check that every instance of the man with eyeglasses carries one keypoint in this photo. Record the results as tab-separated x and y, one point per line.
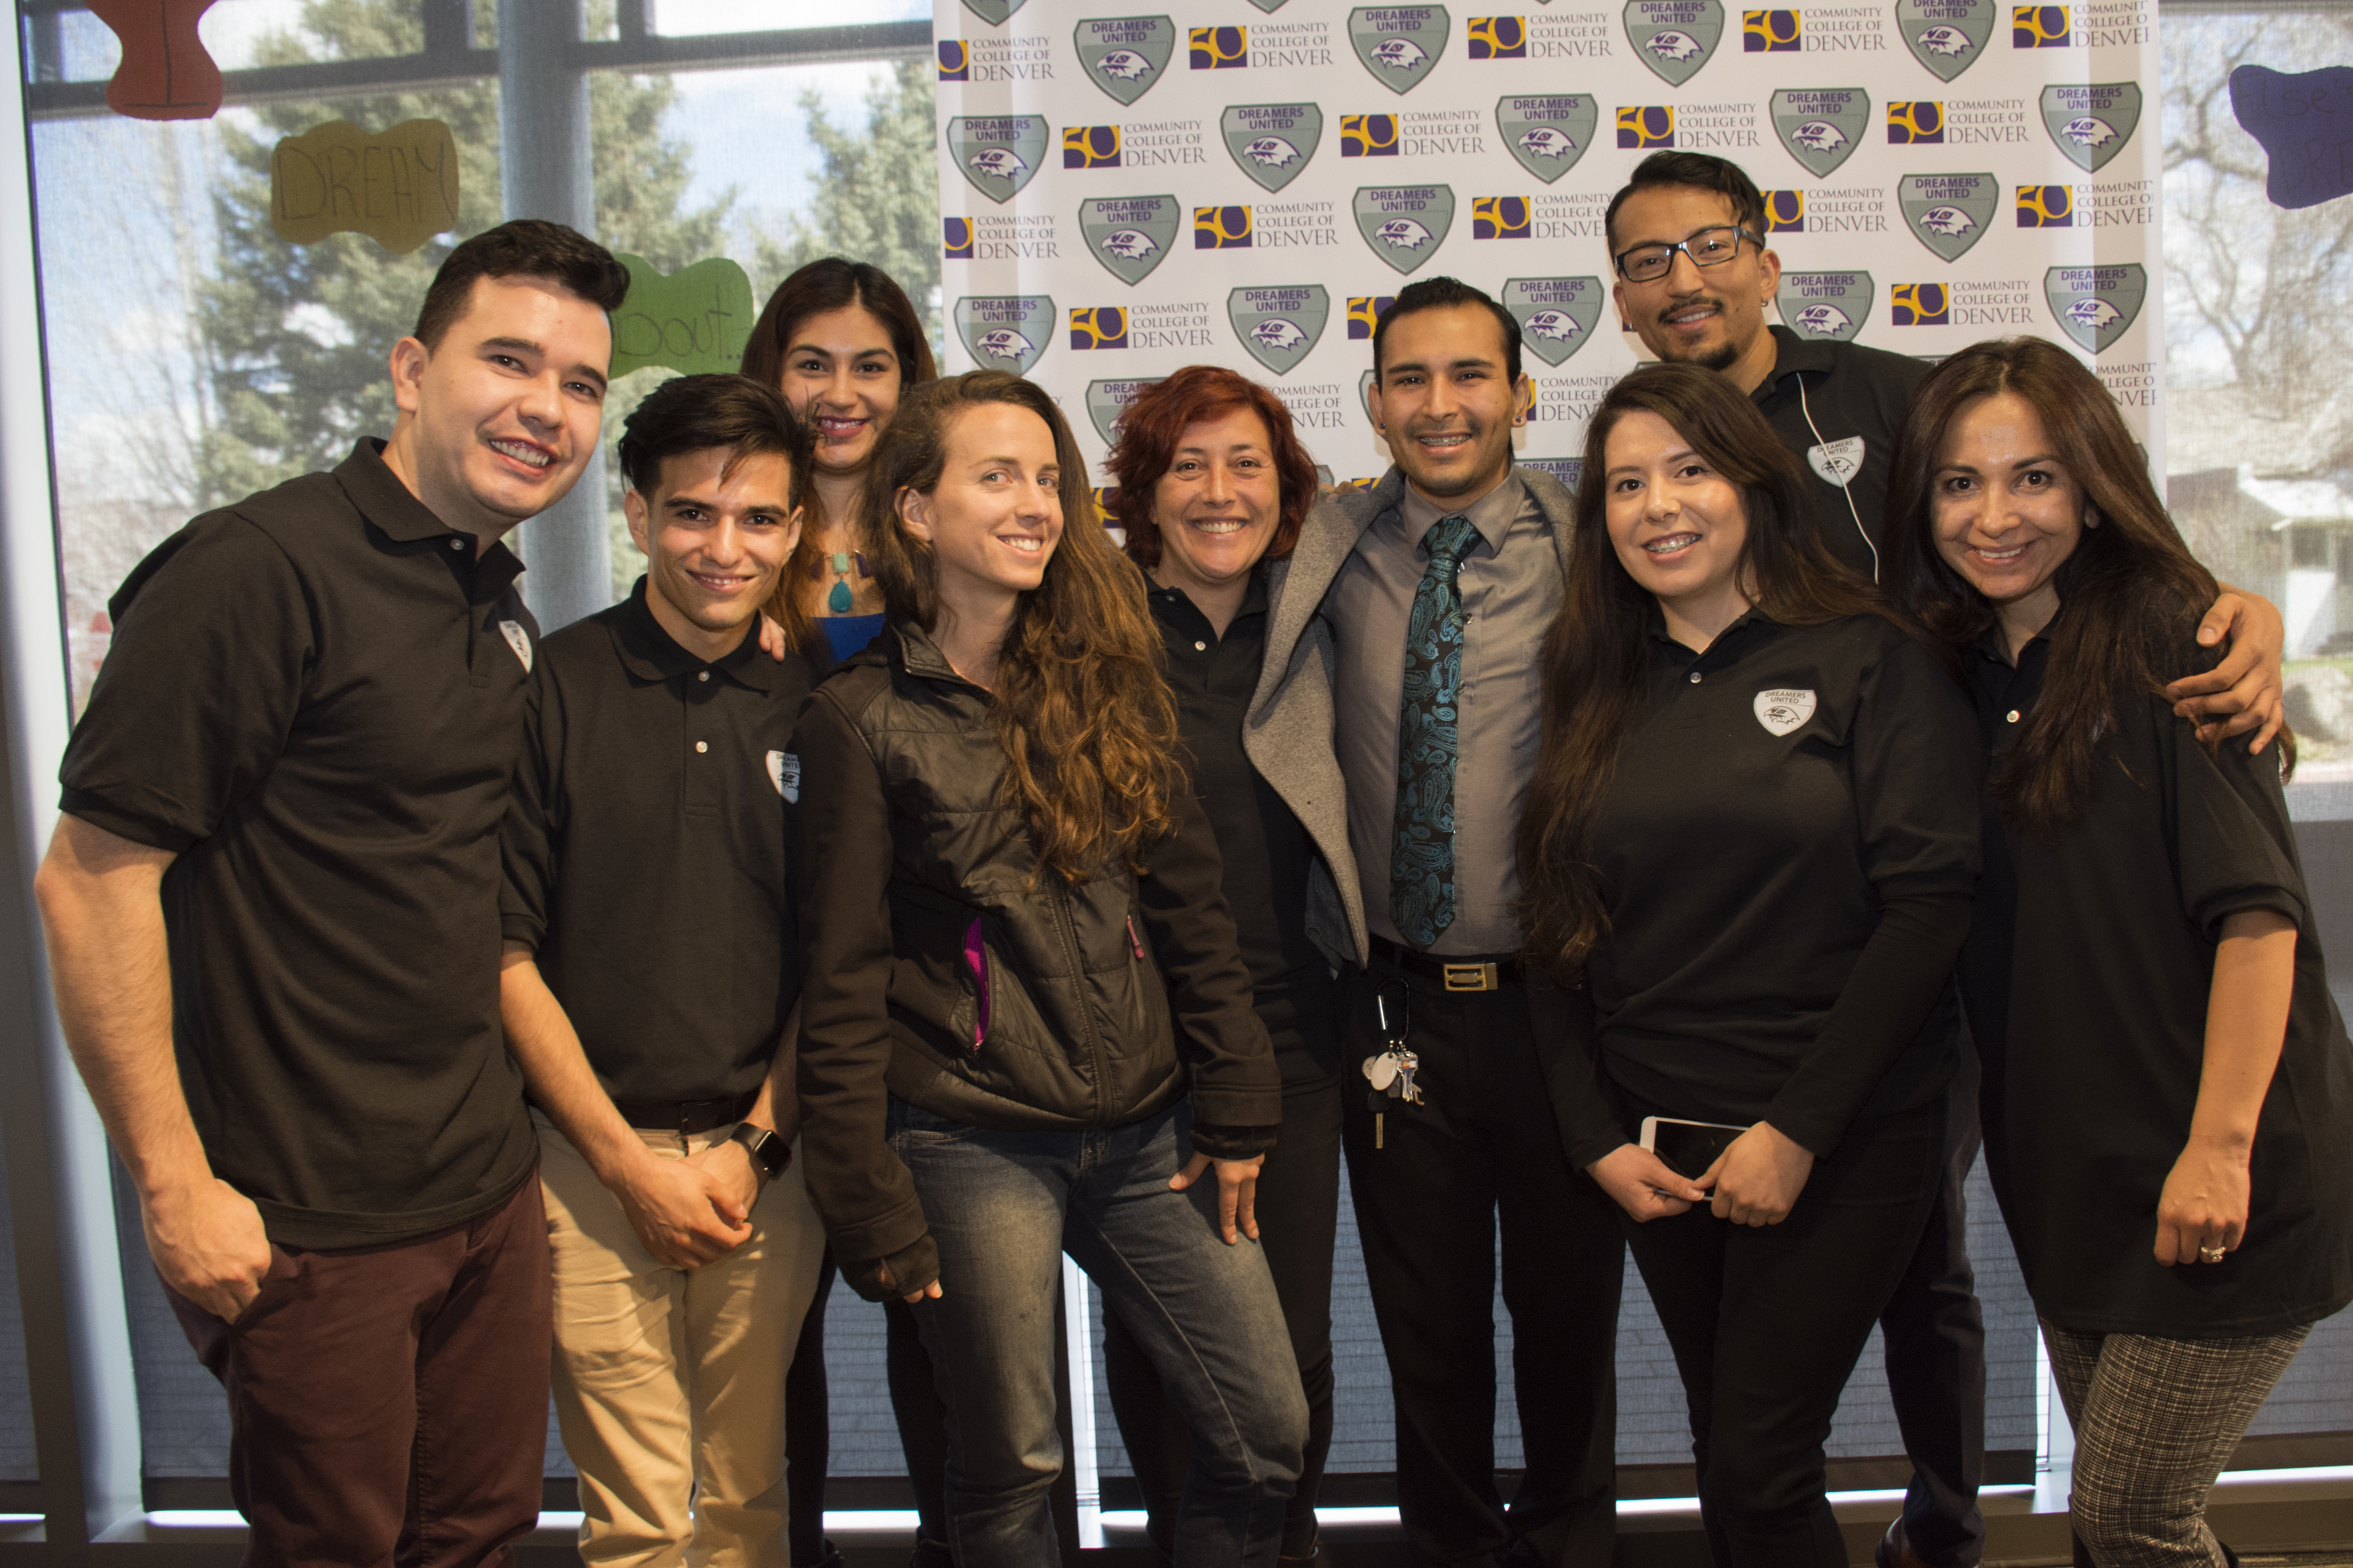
1695	277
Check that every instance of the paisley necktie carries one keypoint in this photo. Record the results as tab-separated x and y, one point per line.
1421	850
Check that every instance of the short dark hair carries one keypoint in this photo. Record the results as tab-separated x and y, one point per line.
526	246
1438	294
699	413
829	284
1696	171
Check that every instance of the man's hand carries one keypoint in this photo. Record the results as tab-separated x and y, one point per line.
685	1213
2246	691
731	1166
1237	1193
208	1245
929	1292
1757	1179
1645	1186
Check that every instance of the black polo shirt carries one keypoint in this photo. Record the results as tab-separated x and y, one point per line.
1786	848
644	853
315	698
1266	849
1856	398
2087	975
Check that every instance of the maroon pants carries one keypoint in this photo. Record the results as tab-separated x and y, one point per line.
388	1405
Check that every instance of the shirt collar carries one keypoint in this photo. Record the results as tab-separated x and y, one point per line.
1491	514
386	502
1176	601
1792	355
651	653
1748	620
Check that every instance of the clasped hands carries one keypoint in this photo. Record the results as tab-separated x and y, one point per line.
1755	1181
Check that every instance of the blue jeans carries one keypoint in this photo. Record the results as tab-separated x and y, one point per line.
1003	1207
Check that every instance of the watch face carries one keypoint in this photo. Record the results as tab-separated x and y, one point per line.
772	1152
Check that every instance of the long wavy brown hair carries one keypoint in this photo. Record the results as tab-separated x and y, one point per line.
1597	655
2131	596
829	284
1081	709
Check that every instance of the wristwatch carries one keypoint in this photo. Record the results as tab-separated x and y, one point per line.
768	1152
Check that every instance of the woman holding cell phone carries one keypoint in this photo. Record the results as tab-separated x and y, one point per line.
1751	842
2169	1091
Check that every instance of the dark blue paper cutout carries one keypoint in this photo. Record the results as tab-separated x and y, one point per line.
2304	121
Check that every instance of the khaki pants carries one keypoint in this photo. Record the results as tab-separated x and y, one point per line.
669	1383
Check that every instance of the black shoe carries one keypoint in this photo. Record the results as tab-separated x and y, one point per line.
931	1554
832	1558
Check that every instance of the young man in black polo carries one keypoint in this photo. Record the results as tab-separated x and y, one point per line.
272	912
651	967
1694	280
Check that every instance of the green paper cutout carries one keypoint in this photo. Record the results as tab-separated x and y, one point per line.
693	321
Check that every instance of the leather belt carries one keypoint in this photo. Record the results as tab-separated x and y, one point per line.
686	1116
1469	973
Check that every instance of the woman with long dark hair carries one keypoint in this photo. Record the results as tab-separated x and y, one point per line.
842	342
1012	918
2168	1091
1213	487
1751	841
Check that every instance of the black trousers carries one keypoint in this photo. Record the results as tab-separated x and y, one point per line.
1430	1189
809	1430
1298	1218
1933	1334
1766	1322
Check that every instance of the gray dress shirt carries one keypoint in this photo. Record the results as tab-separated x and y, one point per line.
1511	589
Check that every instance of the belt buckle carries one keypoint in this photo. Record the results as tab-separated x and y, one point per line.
1469	976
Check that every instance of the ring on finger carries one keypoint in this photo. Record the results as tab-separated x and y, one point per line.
2212	1254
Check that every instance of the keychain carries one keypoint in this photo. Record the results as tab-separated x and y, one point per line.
1391	1072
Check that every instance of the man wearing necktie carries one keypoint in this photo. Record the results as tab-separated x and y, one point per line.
1397	715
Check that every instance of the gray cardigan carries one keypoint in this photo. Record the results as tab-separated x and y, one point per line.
1288	734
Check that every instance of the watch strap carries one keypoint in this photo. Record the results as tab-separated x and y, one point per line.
770	1152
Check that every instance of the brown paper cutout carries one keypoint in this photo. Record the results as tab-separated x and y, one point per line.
399	187
166	72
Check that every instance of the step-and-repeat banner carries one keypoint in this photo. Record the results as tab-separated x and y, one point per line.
1251	182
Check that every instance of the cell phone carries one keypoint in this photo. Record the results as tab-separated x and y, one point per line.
1687	1147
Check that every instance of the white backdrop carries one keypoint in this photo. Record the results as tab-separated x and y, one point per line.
1247	181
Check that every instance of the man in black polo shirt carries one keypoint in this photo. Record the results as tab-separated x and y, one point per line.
1695	280
650	966
272	908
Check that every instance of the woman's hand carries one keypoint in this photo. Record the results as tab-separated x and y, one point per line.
2204	1204
929	1292
1644	1185
1757	1179
2245	691
771	636
1237	1193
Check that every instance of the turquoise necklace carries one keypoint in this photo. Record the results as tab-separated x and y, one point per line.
839	561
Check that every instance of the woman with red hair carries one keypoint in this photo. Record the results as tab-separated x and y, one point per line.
1213	486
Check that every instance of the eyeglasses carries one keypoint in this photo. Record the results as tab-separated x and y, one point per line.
1708	247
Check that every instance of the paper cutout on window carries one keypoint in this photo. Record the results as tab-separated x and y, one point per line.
399	187
2304	121
696	320
165	73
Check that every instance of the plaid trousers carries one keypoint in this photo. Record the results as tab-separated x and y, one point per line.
2156	1420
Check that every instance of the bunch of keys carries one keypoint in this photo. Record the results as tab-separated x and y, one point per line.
1391	1072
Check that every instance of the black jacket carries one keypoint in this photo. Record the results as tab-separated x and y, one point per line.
942	968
